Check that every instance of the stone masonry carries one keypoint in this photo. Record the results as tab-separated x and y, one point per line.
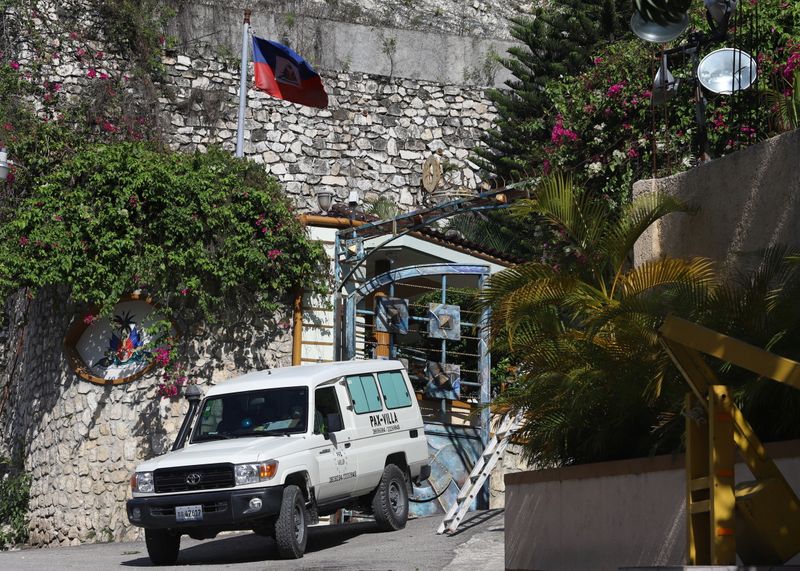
81	441
374	136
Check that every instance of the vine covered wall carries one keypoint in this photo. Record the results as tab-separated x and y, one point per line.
81	441
92	83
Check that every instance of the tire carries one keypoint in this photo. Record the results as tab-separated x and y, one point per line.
390	503
291	527
162	546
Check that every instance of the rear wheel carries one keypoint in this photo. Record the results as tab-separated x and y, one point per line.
291	532
162	546
390	503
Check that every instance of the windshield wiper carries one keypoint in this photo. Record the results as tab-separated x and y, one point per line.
279	432
205	437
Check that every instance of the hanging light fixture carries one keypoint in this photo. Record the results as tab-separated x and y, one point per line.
5	164
657	33
324	200
664	85
720	10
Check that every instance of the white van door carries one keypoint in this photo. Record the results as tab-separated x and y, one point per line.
331	447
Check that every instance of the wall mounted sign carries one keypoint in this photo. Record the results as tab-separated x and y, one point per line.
115	349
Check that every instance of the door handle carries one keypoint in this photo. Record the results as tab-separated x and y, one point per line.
347	445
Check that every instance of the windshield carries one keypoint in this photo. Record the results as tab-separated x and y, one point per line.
257	413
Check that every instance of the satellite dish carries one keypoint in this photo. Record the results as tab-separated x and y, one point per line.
656	33
431	173
727	70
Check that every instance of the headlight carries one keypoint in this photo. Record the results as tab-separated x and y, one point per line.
254	473
142	482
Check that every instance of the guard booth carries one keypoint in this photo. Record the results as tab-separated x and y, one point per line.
413	300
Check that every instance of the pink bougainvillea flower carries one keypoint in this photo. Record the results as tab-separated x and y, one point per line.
633	153
272	254
99	55
264	229
559	135
109	127
162	356
598	60
73	35
616	89
104	75
14	65
185	291
57	218
89	319
92	73
80	53
546	166
23	241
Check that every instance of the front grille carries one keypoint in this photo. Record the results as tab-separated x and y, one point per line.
208	507
211	477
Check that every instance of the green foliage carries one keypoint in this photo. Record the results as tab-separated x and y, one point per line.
136	28
582	101
590	369
786	102
383	207
559	43
15	486
592	375
201	233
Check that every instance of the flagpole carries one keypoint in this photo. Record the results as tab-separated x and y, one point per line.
243	86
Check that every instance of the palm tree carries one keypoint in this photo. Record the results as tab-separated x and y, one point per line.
591	372
786	103
760	304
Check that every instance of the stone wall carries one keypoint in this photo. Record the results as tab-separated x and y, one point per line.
373	138
81	441
437	40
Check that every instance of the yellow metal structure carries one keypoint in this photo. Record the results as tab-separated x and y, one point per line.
759	520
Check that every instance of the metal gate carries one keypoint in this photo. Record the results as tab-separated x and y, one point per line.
444	344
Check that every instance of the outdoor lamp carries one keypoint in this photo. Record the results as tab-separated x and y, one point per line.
719	9
5	164
325	200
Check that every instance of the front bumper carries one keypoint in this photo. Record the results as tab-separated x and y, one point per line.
223	509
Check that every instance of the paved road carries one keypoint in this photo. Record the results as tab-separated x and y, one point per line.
478	545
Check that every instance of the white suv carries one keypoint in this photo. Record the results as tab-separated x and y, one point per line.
273	450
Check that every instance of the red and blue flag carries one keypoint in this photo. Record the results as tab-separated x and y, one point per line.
285	75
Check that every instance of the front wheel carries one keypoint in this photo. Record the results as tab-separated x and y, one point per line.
291	532
162	546
390	503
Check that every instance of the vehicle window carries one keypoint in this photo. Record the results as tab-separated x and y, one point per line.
395	390
253	413
327	415
364	393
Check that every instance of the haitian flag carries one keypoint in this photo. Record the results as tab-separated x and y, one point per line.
285	75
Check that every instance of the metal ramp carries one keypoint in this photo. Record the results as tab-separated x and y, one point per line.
483	467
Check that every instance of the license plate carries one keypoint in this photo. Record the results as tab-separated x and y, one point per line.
188	513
